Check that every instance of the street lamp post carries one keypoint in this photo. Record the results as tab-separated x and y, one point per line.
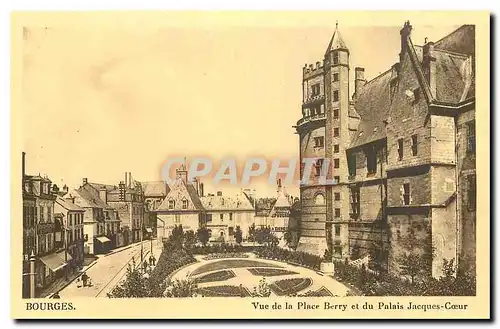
32	275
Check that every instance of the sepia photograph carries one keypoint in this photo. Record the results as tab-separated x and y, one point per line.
285	166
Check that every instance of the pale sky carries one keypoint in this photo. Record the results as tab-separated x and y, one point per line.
99	102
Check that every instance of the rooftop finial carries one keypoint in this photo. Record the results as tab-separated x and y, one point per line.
336	24
425	40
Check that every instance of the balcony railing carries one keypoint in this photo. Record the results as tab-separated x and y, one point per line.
313	99
311	118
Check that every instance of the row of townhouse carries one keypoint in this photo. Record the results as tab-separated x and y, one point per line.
52	234
184	203
114	215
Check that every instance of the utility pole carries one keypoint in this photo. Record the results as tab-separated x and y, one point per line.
65	252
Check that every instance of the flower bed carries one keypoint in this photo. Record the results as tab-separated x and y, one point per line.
223	291
216	276
270	271
321	292
226	255
290	286
289	256
220	248
230	263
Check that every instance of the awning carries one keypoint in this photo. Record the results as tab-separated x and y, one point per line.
149	230
53	262
103	239
64	257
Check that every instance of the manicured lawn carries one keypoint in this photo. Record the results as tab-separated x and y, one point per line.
270	271
216	276
290	286
230	263
224	291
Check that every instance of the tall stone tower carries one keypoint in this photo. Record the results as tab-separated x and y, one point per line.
324	135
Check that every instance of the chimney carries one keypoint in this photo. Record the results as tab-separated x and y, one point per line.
405	35
359	80
219	193
23	164
196	185
182	173
103	194
65	189
126	178
85	181
129	179
201	194
429	66
70	199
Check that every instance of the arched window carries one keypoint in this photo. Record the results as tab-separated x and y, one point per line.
319	199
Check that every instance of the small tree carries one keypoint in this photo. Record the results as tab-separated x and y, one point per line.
288	236
134	285
251	233
411	265
238	235
189	240
203	235
263	290
181	288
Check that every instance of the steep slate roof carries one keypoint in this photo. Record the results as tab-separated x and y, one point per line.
99	186
213	202
87	193
462	41
194	196
155	189
373	104
336	42
454	83
191	192
452	71
68	205
282	200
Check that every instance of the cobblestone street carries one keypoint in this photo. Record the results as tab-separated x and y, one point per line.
109	270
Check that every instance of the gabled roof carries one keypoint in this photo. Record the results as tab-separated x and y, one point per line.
454	83
282	200
213	202
68	205
336	42
178	188
89	198
155	189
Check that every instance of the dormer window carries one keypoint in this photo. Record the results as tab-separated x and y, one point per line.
184	204
171	204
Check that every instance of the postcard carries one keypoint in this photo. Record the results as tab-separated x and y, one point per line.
250	165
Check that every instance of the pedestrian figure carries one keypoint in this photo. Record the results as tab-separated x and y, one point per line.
154	260
151	260
56	296
145	265
85	278
78	283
